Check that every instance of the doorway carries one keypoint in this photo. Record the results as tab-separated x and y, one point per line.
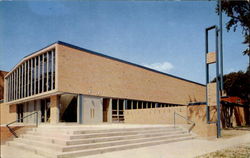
20	112
68	108
105	109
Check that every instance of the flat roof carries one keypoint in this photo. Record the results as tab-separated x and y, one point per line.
113	58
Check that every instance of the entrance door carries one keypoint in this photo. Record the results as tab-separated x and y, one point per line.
105	109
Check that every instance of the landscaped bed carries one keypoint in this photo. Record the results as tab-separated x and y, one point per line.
242	151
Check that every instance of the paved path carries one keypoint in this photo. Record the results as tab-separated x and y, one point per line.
187	149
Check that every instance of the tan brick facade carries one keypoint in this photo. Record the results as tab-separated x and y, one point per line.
2	74
90	74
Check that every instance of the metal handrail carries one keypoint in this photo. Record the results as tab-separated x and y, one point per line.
13	132
190	121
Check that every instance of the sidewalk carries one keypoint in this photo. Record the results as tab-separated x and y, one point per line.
187	149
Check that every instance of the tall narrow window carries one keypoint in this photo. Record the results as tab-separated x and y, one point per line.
53	65
45	72
21	81
36	74
50	70
32	77
26	78
18	82
22	90
28	86
12	92
8	89
41	74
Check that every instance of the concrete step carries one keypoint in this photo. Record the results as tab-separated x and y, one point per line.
41	144
90	131
101	129
118	148
34	149
56	141
57	134
120	129
114	138
52	140
104	133
62	143
120	142
120	133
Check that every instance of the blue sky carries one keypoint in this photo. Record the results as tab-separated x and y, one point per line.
168	36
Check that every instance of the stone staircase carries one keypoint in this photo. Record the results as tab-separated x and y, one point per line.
77	141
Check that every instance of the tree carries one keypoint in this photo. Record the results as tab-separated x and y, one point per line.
239	13
237	84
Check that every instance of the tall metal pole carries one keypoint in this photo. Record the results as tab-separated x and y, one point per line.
217	85
221	72
207	76
221	47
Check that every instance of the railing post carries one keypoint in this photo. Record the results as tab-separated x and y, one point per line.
174	119
36	119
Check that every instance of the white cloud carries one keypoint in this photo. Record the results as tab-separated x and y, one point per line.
164	66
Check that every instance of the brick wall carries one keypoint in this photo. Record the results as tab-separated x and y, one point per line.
166	116
155	115
7	113
6	135
84	73
2	74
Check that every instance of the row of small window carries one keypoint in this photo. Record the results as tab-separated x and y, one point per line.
34	76
134	104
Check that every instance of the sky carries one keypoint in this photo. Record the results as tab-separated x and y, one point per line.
168	36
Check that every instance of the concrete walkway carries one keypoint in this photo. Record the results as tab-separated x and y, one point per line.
187	149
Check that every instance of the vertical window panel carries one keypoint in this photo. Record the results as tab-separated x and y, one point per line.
12	92
19	72
15	84
8	94
22	81
43	67
38	75
47	74
52	69
24	75
41	73
28	78
8	88
35	80
25	78
17	90
31	77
